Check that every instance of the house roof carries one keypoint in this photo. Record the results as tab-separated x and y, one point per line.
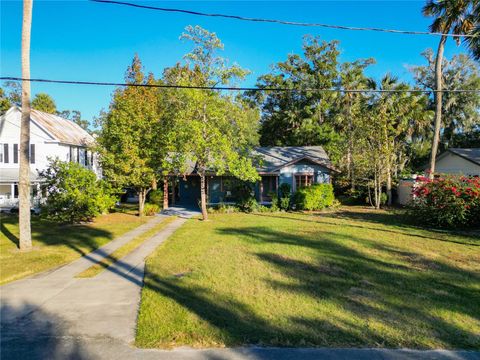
60	129
272	159
11	175
276	157
471	154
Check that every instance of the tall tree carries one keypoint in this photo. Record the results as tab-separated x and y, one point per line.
25	240
300	117
5	102
129	130
461	111
44	102
219	126
347	108
451	16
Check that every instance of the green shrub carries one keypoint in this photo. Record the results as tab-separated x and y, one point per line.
151	209
274	207
315	197
284	196
74	194
249	205
450	202
156	197
223	209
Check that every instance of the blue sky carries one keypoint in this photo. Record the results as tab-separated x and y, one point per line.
81	40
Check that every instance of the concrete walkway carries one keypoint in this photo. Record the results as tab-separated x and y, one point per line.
57	316
55	306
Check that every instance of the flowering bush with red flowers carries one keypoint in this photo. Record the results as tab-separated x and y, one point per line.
452	201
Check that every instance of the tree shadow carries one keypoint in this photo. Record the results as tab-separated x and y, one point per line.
398	290
384	219
79	237
30	333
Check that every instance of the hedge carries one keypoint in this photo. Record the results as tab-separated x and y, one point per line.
315	197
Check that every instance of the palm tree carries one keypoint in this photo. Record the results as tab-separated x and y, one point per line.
451	16
473	42
25	242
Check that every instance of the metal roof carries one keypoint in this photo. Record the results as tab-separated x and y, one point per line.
63	130
472	154
11	175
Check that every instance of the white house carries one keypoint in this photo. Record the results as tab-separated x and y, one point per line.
464	161
51	136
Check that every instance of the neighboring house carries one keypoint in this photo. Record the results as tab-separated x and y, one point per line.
459	161
297	166
454	161
51	136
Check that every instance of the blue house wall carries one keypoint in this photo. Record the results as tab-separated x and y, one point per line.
219	188
287	174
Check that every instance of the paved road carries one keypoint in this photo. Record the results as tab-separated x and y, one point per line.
57	316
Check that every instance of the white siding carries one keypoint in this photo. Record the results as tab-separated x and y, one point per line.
46	147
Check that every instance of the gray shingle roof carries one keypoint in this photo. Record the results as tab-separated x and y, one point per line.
472	154
272	159
275	157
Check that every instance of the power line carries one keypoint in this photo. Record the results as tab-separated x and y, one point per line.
233	88
283	22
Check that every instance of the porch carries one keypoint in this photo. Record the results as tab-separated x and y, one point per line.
185	191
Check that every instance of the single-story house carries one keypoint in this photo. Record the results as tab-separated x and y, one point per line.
51	136
297	166
464	161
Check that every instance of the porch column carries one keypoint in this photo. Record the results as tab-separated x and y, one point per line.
165	193
173	190
261	190
12	192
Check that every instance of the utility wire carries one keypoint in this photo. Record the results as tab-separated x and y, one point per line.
233	88
283	22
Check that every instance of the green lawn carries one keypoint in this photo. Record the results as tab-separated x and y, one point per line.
352	278
54	244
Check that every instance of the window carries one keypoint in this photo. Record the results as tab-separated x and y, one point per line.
32	153
15	153
1	153
5	153
303	180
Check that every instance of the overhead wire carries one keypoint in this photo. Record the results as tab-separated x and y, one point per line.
234	88
282	22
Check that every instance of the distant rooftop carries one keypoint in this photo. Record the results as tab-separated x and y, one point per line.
60	129
472	154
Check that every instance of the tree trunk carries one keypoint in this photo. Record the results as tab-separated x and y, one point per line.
438	104
142	194
25	241
165	193
203	197
389	185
